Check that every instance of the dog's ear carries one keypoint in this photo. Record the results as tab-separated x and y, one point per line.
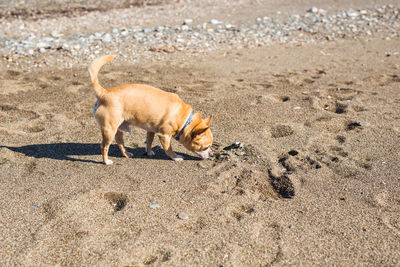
208	120
199	130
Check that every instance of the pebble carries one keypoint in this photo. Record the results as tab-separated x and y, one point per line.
106	38
55	34
154	206
183	216
42	45
214	22
187	21
312	10
314	25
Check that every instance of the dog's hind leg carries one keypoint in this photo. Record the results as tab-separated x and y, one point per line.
149	141
108	136
119	138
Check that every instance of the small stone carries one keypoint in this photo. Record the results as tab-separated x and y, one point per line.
312	10
42	50
183	216
42	45
146	30
154	206
352	14
55	34
106	38
214	22
65	46
166	181
187	21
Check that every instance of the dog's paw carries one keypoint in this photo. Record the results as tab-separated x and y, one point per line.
108	162
178	158
151	153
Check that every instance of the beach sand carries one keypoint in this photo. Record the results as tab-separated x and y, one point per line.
314	181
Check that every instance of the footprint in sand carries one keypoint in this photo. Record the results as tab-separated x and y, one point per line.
391	217
392	222
281	130
11	114
268	253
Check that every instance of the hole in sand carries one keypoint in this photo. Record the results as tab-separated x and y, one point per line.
285	98
117	200
282	185
352	125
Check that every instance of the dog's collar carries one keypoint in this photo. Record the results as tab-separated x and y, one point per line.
188	120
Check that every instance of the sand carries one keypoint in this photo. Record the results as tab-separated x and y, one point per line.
315	182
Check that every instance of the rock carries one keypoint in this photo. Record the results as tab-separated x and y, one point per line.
42	50
65	46
154	206
312	10
235	145
106	38
146	30
42	45
183	216
55	34
187	21
214	22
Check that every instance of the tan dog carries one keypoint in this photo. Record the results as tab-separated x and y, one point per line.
156	111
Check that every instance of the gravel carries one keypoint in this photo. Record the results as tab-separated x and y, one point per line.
314	25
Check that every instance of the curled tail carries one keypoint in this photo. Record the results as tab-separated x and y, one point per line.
94	70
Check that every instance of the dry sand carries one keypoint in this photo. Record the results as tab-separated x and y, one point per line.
316	182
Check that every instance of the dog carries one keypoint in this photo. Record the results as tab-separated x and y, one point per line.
158	112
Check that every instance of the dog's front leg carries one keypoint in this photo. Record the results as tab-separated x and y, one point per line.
119	137
166	144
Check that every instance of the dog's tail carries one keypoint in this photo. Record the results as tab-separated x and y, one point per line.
94	70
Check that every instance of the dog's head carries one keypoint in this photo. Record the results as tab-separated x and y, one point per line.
198	137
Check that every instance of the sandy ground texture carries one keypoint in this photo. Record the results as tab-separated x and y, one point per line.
306	168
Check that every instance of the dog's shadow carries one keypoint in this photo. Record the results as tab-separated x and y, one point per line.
72	151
